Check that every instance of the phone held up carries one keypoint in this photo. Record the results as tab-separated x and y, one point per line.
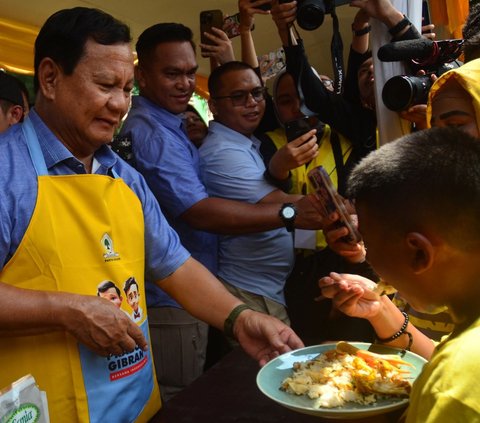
208	20
332	202
296	128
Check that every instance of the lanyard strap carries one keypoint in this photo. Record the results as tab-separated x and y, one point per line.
34	147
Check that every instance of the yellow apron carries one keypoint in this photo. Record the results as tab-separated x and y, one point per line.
85	229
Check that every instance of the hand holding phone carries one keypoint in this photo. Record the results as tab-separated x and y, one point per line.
331	201
209	19
296	128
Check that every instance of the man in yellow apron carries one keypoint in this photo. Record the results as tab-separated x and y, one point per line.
74	215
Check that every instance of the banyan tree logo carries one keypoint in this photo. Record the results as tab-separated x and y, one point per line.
110	253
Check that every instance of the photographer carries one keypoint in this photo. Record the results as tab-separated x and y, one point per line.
333	109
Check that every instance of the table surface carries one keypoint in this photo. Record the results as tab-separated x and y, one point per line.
227	393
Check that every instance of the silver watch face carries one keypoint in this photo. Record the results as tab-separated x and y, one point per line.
288	212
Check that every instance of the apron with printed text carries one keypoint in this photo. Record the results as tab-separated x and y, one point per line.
85	230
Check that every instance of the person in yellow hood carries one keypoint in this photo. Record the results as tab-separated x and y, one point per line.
454	99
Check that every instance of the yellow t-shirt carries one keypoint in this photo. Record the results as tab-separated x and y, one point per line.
448	389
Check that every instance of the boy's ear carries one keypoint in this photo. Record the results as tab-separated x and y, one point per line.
421	252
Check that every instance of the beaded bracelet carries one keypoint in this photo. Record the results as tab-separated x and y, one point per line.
232	317
401	331
394	30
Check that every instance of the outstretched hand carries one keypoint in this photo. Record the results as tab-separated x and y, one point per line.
264	337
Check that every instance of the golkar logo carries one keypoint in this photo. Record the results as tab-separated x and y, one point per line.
107	244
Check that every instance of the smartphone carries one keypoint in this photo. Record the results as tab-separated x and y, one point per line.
231	25
298	127
208	20
331	202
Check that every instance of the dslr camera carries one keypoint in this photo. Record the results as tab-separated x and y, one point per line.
434	57
311	13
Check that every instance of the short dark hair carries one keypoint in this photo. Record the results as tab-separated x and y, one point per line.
427	176
158	34
64	34
105	286
471	34
214	80
128	283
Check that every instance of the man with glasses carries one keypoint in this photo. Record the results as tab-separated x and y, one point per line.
169	162
255	266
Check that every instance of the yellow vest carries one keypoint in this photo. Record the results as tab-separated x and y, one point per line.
85	229
325	158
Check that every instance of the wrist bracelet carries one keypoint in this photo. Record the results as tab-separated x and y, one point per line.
401	331
232	317
359	32
400	26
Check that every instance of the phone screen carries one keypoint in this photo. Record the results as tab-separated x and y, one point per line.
332	202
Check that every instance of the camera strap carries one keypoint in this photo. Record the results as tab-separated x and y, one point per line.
336	49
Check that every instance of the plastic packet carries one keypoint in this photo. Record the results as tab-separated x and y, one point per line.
23	401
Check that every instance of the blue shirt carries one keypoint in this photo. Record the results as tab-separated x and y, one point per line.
232	167
169	161
18	185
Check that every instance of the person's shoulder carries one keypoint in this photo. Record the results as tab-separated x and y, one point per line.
12	145
463	348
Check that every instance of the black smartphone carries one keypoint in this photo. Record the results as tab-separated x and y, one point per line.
208	20
296	128
332	202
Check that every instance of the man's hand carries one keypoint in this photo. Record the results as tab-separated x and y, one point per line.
293	154
309	213
222	50
247	9
101	326
264	337
334	235
351	294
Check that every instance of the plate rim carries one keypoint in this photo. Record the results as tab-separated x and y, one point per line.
336	412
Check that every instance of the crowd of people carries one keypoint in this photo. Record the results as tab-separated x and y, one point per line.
135	273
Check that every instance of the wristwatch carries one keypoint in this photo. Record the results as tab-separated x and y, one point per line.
288	213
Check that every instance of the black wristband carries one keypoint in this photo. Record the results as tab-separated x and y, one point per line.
232	317
363	31
394	30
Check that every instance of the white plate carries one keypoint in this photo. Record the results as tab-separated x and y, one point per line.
271	376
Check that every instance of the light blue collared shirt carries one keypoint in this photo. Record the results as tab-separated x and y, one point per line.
232	167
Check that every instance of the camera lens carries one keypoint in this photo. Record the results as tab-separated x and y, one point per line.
402	91
310	14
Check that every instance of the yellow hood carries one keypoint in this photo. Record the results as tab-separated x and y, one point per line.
468	76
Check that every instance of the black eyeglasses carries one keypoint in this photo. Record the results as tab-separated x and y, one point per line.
241	98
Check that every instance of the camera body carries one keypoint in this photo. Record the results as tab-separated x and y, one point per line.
404	91
311	13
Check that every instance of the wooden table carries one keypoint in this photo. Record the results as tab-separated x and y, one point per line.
227	393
